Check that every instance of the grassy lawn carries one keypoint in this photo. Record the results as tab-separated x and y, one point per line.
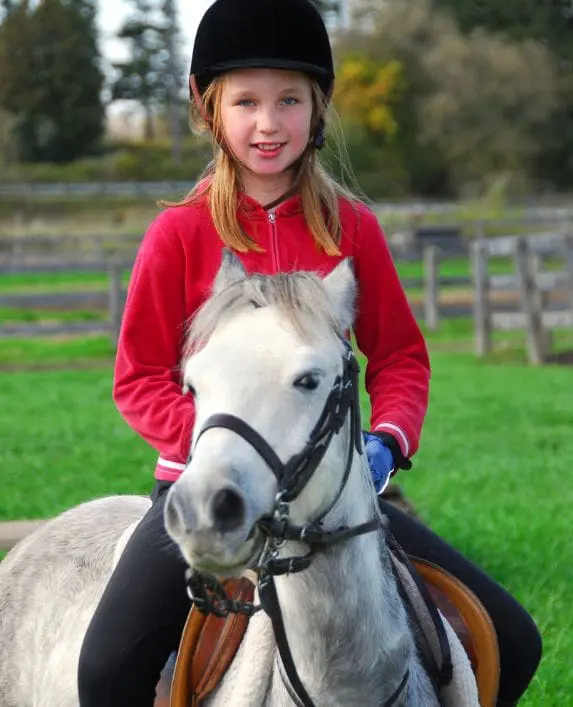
67	281
54	282
491	475
55	351
9	315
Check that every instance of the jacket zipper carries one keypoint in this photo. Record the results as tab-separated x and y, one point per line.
274	242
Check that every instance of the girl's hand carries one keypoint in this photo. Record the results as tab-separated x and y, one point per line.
380	460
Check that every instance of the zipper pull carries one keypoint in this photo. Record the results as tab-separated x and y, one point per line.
272	216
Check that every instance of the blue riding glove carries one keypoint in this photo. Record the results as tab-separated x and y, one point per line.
380	460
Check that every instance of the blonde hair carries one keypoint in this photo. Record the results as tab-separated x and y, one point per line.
319	192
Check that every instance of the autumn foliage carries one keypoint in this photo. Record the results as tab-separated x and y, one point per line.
366	93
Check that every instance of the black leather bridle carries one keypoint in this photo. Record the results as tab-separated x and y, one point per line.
292	477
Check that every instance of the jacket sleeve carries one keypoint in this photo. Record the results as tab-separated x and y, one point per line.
147	389
398	369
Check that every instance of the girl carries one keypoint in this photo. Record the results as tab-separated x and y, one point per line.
261	79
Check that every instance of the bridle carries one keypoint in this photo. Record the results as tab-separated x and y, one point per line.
206	592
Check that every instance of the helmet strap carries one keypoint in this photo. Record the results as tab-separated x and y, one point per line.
319	139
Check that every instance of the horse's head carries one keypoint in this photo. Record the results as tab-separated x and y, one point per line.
266	351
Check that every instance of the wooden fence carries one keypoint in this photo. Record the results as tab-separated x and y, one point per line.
110	300
521	299
539	312
97	254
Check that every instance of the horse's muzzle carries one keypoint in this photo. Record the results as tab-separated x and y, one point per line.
217	536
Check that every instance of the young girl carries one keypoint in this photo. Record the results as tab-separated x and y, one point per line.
261	79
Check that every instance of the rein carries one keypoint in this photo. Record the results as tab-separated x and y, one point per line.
207	593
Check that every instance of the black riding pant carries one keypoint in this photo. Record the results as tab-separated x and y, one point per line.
142	612
139	619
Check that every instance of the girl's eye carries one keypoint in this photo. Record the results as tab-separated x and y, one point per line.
310	381
246	102
289	101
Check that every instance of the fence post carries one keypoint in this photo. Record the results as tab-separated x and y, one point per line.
115	298
569	266
431	287
482	309
542	298
530	303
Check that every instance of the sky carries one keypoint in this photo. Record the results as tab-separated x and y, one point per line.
111	14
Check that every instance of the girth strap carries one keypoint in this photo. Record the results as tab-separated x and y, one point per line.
434	649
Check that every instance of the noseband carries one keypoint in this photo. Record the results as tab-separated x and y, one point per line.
292	479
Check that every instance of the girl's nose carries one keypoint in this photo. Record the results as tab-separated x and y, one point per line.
268	121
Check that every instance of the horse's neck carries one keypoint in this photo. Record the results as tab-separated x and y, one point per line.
346	626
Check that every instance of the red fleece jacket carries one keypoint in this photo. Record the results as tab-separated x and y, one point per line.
173	274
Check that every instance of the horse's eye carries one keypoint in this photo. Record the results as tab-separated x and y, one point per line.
309	381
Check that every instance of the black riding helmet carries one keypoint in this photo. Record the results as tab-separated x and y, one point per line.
270	34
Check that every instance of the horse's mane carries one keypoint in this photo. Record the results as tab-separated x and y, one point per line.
300	296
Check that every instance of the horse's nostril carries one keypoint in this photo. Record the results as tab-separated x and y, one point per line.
178	516
228	509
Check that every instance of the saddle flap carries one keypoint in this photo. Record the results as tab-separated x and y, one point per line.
470	621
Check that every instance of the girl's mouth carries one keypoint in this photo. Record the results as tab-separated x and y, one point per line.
269	149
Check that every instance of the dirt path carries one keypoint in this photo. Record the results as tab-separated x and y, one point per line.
13	531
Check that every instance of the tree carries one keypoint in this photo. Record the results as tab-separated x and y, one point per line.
8	146
366	92
6	6
551	23
402	31
50	79
173	72
474	104
139	77
152	74
490	99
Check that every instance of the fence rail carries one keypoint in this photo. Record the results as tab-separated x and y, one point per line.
89	189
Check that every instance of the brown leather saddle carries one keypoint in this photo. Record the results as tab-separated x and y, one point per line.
209	644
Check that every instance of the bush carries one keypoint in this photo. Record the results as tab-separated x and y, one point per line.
118	162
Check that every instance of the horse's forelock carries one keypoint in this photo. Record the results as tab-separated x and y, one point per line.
300	297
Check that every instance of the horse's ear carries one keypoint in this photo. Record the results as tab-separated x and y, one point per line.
342	290
230	271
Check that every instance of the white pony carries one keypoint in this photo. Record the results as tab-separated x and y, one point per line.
276	475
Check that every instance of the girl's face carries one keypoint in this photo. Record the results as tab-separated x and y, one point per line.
266	116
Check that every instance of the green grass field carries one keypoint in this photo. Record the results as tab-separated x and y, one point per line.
492	475
68	281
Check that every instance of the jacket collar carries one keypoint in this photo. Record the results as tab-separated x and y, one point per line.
253	209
